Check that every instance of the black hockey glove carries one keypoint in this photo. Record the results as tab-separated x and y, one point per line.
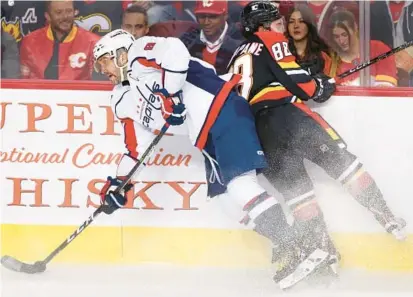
110	200
326	86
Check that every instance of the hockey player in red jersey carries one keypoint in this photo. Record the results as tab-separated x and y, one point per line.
276	86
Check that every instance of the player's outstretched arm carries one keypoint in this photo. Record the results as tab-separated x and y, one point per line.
137	139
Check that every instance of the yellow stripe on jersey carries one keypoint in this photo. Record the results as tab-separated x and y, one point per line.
265	91
288	65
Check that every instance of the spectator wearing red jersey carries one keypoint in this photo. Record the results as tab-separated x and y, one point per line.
212	42
392	23
345	40
61	50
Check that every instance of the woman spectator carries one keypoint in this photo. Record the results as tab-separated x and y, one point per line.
344	37
310	50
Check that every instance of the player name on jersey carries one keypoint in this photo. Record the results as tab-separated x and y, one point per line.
253	48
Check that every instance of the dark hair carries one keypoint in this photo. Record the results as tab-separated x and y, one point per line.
315	44
48	3
136	9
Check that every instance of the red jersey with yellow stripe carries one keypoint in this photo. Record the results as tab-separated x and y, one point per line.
270	73
383	73
41	57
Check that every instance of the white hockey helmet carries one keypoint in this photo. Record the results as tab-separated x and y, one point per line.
111	43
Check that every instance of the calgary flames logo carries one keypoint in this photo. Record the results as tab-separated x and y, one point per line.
13	28
207	3
77	60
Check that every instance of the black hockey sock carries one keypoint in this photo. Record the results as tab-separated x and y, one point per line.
365	190
312	229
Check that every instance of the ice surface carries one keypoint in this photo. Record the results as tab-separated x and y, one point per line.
159	280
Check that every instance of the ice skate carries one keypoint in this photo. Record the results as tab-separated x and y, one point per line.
393	225
314	253
296	268
285	261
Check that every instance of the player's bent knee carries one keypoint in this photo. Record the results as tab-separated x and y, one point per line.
261	211
244	188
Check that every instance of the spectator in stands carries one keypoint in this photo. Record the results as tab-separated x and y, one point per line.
392	23
211	42
158	11
9	56
60	50
135	21
325	8
310	50
346	42
186	9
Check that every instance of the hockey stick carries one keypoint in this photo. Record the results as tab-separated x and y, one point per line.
40	266
376	59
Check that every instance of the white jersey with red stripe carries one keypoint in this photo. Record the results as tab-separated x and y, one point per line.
156	66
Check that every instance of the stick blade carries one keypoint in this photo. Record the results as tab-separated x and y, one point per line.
18	266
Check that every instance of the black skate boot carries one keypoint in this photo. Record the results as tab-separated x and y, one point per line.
312	253
320	238
285	260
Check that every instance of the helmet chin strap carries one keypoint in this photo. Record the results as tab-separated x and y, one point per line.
123	72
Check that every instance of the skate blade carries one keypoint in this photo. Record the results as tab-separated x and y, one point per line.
315	260
397	229
333	264
400	235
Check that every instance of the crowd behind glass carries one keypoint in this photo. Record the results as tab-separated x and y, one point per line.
55	39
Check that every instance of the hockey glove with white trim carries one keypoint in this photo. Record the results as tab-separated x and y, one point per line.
173	109
110	200
326	86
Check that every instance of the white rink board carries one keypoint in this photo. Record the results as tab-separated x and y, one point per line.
378	130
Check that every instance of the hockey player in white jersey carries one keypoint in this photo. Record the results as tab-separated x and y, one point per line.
157	81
